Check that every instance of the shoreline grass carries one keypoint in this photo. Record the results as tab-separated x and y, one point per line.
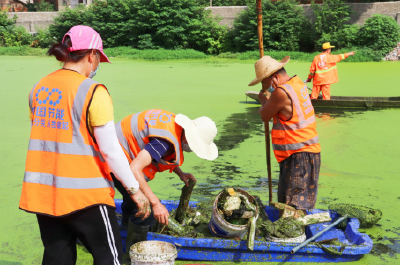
362	55
118	52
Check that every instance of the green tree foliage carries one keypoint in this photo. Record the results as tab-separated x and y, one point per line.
379	32
225	2
10	34
5	21
343	38
331	22
147	24
42	39
284	27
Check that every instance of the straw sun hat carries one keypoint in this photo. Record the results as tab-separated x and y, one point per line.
199	134
267	66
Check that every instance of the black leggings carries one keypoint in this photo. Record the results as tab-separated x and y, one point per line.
96	227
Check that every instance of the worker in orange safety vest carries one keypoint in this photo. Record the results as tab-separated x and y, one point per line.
323	71
294	134
73	146
154	141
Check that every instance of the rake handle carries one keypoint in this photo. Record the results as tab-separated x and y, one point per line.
266	124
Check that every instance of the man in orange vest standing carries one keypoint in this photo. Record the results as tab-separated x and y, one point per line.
324	71
294	135
154	141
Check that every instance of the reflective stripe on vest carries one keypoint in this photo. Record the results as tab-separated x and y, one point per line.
124	143
327	70
284	147
135	131
64	170
122	140
299	133
301	124
139	135
67	183
78	146
296	102
31	96
281	127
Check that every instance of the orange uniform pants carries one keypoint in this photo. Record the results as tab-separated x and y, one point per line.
326	91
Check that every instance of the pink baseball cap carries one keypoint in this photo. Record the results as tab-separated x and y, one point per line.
83	38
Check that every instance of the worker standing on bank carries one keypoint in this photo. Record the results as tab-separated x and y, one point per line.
323	71
72	148
294	134
154	141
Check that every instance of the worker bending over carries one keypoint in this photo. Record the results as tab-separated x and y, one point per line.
154	141
294	135
324	71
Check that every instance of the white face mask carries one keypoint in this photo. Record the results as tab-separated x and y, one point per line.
185	147
93	73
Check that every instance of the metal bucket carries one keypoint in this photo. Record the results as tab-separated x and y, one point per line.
220	227
153	252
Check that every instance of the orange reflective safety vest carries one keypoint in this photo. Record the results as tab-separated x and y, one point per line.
65	171
135	131
323	69
299	134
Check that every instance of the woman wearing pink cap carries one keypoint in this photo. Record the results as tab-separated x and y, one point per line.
72	148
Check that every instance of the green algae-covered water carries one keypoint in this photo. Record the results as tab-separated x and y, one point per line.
360	159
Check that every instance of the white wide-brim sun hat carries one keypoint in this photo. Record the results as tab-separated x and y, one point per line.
200	134
267	66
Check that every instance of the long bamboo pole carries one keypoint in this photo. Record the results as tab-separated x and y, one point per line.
266	125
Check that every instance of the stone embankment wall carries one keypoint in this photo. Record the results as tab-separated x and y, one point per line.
40	20
362	11
34	21
226	13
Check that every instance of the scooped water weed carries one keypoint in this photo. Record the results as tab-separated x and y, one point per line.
235	207
368	217
287	227
195	223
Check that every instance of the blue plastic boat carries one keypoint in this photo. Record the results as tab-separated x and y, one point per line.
231	250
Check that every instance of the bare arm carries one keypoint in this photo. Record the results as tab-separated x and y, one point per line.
279	101
184	176
137	165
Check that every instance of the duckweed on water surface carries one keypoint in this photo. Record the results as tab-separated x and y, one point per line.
359	147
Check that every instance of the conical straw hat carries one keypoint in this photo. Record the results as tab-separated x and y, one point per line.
267	66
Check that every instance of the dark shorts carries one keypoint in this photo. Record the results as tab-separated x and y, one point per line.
298	180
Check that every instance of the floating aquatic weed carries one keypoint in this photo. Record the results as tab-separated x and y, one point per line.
368	217
332	248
